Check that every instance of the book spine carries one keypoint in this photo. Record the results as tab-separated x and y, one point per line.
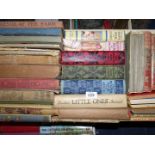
86	35
17	129
35	84
83	101
73	45
67	130
30	32
96	114
147	69
115	35
99	86
26	96
32	24
93	58
29	71
26	110
153	63
93	72
30	39
24	118
29	59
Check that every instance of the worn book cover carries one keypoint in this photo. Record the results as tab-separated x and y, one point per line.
93	72
31	24
24	118
99	86
26	96
30	39
31	32
29	71
86	101
29	83
29	59
93	58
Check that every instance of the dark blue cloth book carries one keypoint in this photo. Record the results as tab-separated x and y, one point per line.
99	86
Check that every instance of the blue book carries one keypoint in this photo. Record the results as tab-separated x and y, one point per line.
24	118
99	86
30	32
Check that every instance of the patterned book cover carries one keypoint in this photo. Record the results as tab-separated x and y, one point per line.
34	84
67	130
31	32
86	35
73	45
31	24
93	58
99	86
93	72
24	118
115	35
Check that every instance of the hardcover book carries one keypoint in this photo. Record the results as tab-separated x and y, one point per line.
24	118
30	39
31	32
29	71
26	96
29	59
34	84
86	35
93	72
31	24
84	101
92	58
99	86
73	45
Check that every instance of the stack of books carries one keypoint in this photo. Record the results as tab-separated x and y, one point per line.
29	69
93	73
141	75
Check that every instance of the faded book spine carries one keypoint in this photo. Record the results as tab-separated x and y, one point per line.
93	72
73	45
83	101
31	24
29	71
30	32
115	35
35	84
26	96
153	62
30	39
86	35
148	57
99	86
29	59
93	58
24	118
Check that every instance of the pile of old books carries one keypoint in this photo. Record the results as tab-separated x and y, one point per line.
29	68
141	75
93	73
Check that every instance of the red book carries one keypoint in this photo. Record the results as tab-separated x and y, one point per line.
93	58
22	83
19	129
